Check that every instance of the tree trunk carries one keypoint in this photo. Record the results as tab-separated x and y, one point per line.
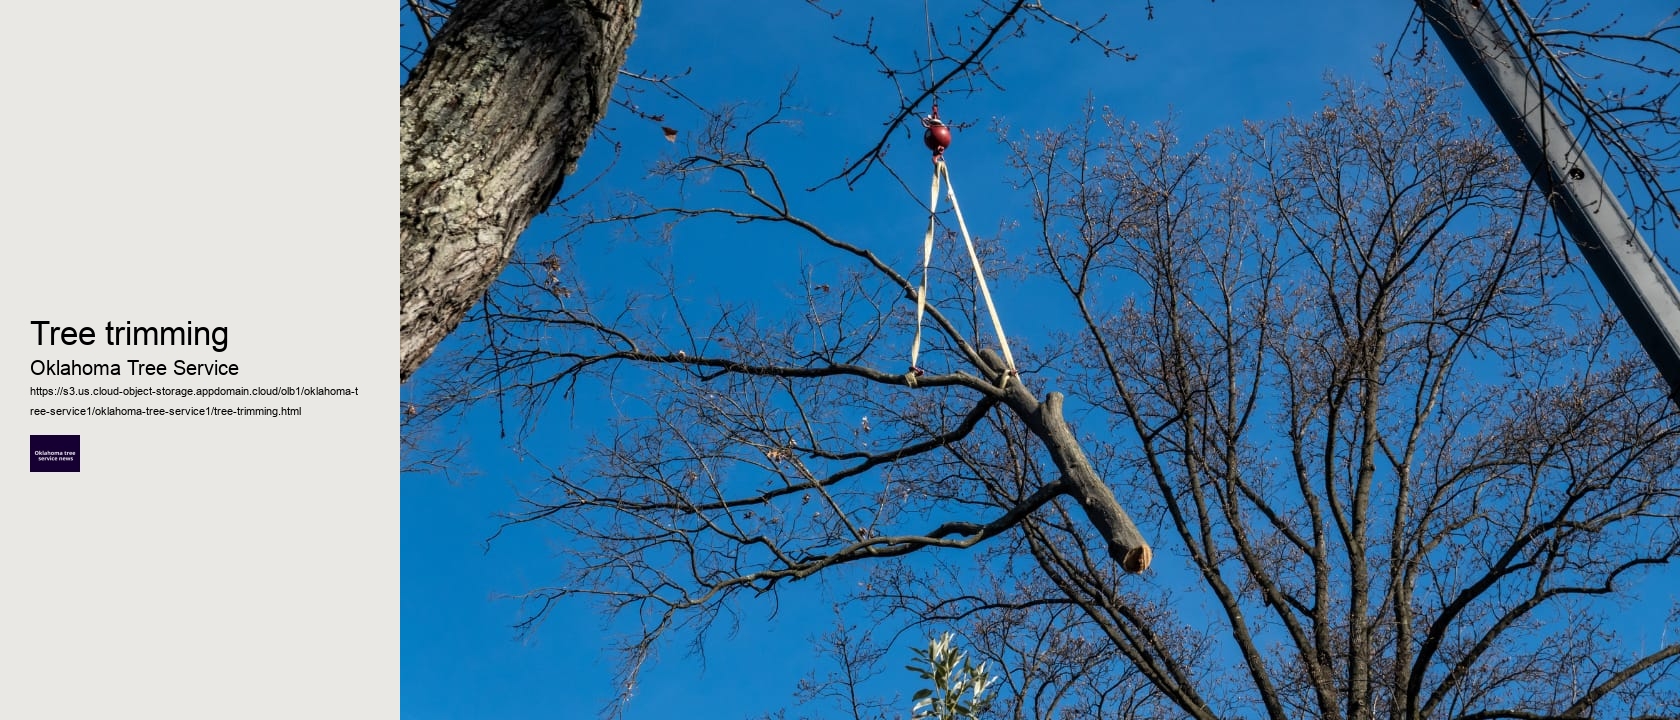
493	119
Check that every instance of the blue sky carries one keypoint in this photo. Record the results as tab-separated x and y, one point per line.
1210	65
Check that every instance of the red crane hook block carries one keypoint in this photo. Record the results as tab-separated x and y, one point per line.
938	134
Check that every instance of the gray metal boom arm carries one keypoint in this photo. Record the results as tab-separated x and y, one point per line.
1562	170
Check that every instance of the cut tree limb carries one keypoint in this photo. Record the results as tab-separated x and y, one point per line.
1125	543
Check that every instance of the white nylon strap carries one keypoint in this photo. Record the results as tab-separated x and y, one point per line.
940	170
979	275
927	256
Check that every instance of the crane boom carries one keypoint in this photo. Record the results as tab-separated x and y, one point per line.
1561	168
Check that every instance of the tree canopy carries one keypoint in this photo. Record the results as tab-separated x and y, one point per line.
1334	367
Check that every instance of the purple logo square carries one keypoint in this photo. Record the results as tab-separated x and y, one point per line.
55	453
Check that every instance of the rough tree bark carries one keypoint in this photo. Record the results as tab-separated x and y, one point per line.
493	119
